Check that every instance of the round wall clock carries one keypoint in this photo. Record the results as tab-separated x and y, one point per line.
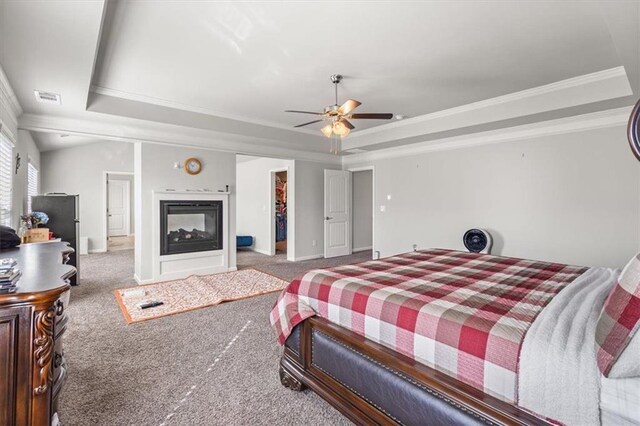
192	165
633	131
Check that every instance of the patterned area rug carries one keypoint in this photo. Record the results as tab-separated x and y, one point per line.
195	292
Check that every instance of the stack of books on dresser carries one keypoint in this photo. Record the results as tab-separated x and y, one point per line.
9	275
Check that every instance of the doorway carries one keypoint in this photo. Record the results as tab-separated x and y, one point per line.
349	211
280	208
362	208
337	213
119	212
265	208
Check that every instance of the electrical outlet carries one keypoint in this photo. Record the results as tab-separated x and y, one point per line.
313	243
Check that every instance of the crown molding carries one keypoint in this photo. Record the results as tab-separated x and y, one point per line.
580	81
585	122
136	97
99	126
602	85
8	96
589	88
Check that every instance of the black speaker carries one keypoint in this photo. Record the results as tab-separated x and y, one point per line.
477	241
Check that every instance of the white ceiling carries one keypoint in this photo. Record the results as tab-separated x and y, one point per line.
50	46
234	67
254	60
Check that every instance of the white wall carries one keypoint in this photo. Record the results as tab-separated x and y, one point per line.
154	171
571	198
26	147
362	204
253	190
309	201
80	170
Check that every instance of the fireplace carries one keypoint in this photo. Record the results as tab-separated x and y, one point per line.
190	226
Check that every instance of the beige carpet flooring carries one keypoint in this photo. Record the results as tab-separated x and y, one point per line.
212	366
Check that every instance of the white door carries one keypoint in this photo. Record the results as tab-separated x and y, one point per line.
337	213
118	207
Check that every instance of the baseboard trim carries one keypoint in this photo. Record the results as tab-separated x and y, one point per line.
355	250
139	281
262	252
311	257
94	251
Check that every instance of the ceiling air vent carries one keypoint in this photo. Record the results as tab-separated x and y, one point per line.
48	97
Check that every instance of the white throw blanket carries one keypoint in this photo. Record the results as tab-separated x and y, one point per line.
558	375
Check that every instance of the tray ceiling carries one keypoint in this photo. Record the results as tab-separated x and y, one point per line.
254	60
234	67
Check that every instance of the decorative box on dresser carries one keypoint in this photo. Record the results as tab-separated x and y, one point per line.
33	320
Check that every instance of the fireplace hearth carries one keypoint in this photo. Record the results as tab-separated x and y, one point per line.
188	226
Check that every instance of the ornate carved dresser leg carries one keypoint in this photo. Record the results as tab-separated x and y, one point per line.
288	381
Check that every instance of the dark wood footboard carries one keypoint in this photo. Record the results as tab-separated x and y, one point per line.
443	399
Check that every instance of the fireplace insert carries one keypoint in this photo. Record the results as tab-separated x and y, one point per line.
190	226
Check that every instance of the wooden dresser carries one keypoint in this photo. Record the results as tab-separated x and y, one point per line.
32	322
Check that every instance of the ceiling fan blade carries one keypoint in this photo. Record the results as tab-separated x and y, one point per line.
304	112
347	124
348	106
306	124
373	116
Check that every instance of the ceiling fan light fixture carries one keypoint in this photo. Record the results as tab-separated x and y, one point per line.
327	130
340	129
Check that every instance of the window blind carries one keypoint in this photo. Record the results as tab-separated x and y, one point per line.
32	184
6	175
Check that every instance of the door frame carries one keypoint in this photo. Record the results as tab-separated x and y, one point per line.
290	212
105	206
373	204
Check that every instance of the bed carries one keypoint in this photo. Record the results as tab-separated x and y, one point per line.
446	337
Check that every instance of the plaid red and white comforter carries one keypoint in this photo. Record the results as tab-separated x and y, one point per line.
464	314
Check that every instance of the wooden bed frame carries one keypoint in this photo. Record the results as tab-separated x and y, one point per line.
297	372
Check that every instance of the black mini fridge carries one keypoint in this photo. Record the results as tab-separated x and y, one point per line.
64	221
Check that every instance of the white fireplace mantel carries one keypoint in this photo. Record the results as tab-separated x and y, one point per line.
182	265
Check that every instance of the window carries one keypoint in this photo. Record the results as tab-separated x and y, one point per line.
32	184
6	175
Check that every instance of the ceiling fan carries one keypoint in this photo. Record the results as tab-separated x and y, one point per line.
338	116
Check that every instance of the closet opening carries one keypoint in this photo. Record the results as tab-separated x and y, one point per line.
280	195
